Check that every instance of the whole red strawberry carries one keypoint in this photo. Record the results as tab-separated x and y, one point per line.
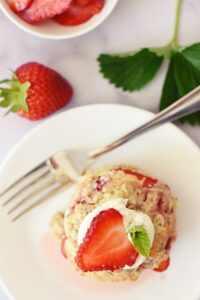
35	91
80	11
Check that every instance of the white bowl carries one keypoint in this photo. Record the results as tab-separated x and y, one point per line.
53	30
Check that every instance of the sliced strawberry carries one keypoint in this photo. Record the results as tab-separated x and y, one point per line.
78	13
19	5
163	265
83	3
106	246
148	181
63	251
44	9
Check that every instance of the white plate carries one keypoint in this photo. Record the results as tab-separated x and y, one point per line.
31	266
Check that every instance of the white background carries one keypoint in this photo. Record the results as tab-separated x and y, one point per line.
133	24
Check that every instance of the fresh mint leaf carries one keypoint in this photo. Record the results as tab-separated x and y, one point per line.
140	240
130	71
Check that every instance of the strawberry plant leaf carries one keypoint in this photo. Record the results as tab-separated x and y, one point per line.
183	75
134	70
192	55
169	91
166	51
140	240
186	75
187	78
130	71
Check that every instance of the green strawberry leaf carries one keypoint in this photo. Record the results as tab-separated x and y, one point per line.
187	78
130	71
13	95
169	91
192	54
140	240
182	76
134	70
165	52
186	75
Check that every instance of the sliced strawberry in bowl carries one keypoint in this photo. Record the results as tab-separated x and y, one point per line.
41	10
83	3
80	12
106	245
19	5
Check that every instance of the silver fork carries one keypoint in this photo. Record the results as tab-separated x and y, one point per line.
63	168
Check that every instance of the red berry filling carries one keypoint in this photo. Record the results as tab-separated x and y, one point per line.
168	244
100	182
77	202
161	209
148	182
163	265
160	206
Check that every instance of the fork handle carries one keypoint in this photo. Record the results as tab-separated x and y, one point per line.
184	106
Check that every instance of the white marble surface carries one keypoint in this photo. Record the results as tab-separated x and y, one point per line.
133	24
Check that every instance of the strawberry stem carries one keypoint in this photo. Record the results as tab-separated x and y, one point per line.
177	21
5	90
13	94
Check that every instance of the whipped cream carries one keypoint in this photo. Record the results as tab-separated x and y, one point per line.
131	218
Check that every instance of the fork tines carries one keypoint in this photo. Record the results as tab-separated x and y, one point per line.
29	191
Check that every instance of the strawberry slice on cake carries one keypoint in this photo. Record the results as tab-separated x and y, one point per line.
106	245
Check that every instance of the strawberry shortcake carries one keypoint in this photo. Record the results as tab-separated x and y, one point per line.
120	222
